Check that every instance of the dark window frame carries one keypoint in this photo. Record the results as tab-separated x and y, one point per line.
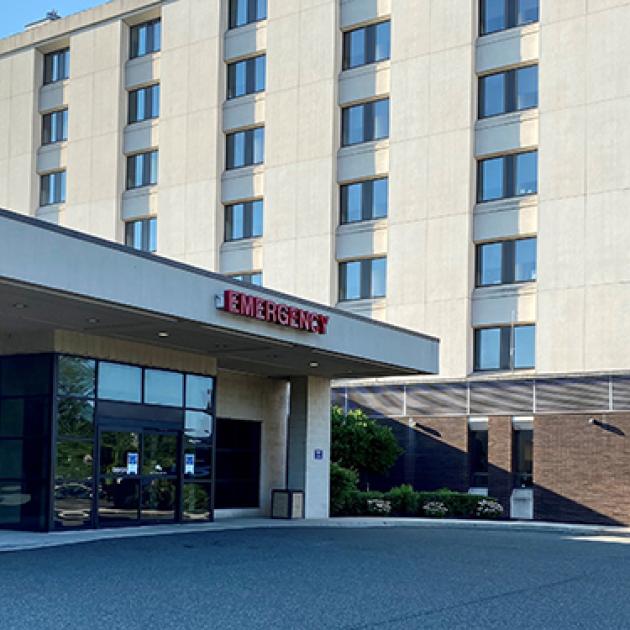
366	289
510	11
506	348
250	144
47	120
50	76
477	467
147	158
251	76
522	478
249	210
510	92
256	12
508	262
510	176
369	52
132	104
59	194
153	45
146	226
368	124
367	200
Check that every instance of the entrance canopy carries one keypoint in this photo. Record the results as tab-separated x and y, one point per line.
52	278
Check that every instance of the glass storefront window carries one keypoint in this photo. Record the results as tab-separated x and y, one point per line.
159	454
198	424
73	504
75	417
163	388
196	501
26	376
24	417
119	382
199	391
74	460
76	377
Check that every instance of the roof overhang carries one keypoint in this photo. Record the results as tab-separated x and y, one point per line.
71	281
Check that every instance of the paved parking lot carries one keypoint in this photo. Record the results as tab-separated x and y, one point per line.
391	578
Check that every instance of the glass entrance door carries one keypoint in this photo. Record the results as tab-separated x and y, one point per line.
138	476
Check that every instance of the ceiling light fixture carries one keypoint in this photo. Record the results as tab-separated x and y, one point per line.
19	305
163	333
93	320
313	364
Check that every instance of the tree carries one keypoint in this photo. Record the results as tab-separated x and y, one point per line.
361	444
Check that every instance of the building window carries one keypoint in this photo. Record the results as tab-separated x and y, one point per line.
499	15
55	127
478	458
56	66
505	347
364	201
522	458
144	104
254	278
245	148
244	220
508	176
142	169
506	262
362	279
510	91
146	38
368	44
365	122
246	77
53	188
142	234
247	11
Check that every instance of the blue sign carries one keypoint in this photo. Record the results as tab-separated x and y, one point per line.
132	463
319	454
189	464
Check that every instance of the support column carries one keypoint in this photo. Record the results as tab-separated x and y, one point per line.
308	443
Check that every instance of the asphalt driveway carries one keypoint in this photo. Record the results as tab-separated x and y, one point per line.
320	578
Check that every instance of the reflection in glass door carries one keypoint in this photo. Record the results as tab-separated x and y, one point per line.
138	474
119	478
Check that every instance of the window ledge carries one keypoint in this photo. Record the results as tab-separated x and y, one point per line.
501	205
505	290
363	304
140	192
254	242
490	375
364	147
366	69
138	61
246	99
510	118
357	227
149	123
55	85
243	171
516	32
53	208
53	147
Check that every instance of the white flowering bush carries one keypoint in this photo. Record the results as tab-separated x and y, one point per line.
379	507
435	508
488	508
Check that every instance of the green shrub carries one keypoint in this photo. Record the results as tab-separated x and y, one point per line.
343	484
404	500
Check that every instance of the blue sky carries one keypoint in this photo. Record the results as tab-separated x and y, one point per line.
14	14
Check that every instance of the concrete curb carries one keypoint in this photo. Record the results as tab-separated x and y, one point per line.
23	541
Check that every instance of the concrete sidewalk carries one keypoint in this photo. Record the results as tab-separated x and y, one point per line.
21	541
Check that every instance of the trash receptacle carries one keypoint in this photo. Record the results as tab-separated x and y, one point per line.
287	504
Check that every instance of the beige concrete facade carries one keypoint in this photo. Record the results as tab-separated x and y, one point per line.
582	293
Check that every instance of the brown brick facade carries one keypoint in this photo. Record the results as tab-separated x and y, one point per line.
500	482
582	470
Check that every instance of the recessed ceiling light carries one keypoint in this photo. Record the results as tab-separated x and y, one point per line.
93	320
162	333
19	305
313	364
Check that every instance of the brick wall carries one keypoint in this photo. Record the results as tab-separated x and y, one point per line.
500	480
581	470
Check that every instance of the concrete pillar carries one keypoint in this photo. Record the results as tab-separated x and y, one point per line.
308	458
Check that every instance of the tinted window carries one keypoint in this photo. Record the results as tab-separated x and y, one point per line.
526	173
142	234
491	179
24	417
245	148
142	170
163	388
505	347
254	278
76	376
199	391
498	15
119	382
55	127
53	188
488	349
144	104
75	417
525	260
490	261
524	346
362	279
365	122
508	176
244	220
506	262
367	44
478	458
364	201
523	458
26	375
56	66
146	38
246	77
247	11
508	91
